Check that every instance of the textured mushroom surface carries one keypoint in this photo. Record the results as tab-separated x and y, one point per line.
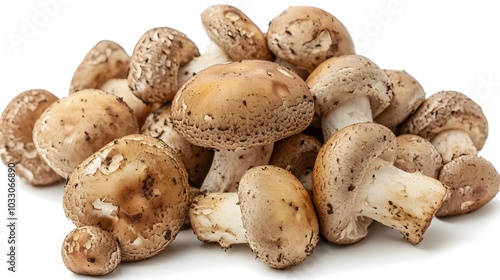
417	154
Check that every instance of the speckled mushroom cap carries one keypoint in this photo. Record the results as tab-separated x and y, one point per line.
340	167
242	104
408	95
473	182
155	63
447	110
236	34
136	188
74	127
417	154
340	78
306	36
90	250
278	215
104	61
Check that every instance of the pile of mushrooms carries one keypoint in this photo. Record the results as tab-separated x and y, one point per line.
273	139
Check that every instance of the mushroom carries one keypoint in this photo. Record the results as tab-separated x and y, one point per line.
233	37
348	89
90	250
408	94
302	37
272	212
134	187
74	127
104	61
355	182
16	137
155	63
240	109
417	154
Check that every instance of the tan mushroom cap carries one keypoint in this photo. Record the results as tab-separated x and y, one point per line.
136	188
242	104
278	215
155	63
408	95
306	36
90	250
16	137
104	61
236	34
446	110
74	127
417	154
473	182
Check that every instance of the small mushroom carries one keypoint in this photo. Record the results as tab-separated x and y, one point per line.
16	137
272	213
104	61
355	182
74	127
90	250
240	109
417	154
348	89
134	187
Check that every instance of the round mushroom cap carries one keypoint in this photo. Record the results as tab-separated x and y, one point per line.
155	63
278	215
447	110
340	167
339	78
417	154
242	104
90	250
16	137
136	188
104	61
74	127
306	36
472	182
408	95
236	34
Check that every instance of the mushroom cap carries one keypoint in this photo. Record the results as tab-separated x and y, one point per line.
408	95
16	136
74	127
306	36
90	250
242	104
278	215
417	154
155	63
104	61
472	182
236	34
446	110
340	167
134	187
340	78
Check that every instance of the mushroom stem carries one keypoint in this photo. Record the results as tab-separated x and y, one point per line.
353	110
229	165
454	143
403	201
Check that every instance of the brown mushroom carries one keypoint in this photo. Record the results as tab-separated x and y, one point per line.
417	154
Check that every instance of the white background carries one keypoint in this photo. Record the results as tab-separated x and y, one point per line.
447	45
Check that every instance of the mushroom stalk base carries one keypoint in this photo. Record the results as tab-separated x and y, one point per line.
353	110
403	201
454	143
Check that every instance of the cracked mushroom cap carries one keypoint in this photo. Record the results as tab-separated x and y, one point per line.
306	36
74	127
417	154
90	250
136	188
242	104
278	215
447	110
155	63
16	137
236	34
